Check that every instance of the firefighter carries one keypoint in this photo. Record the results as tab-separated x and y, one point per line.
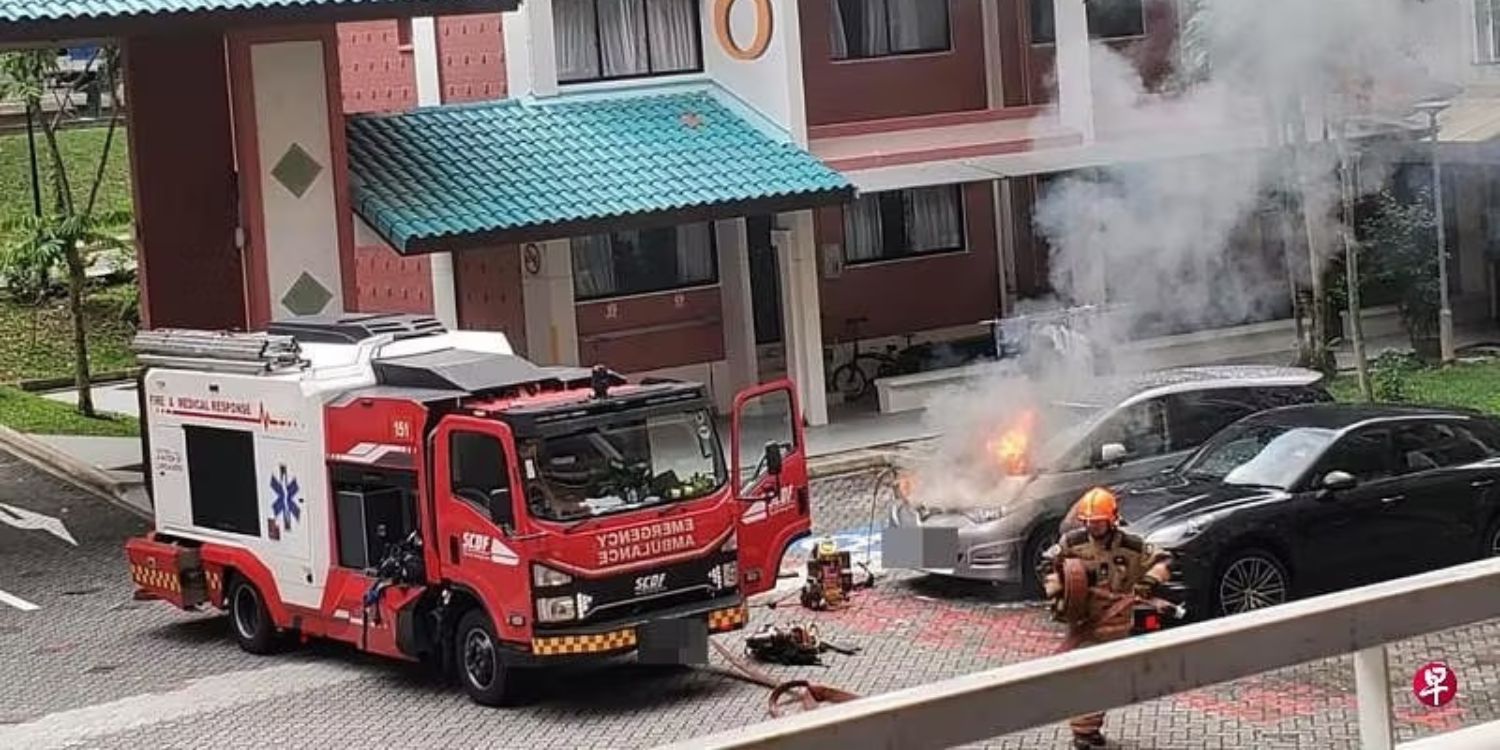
1122	568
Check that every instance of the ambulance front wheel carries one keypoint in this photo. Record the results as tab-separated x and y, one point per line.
249	619
485	677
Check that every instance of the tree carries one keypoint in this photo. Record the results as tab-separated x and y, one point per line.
66	234
1398	242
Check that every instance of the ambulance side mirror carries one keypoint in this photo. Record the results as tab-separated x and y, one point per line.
501	511
773	459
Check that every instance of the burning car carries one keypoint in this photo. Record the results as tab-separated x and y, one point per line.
1117	429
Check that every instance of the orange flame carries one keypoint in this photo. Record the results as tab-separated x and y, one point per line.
1011	449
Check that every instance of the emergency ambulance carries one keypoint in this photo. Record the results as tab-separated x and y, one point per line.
426	494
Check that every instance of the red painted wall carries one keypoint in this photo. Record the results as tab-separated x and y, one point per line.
471	58
652	331
840	91
391	283
186	200
376	69
489	292
897	297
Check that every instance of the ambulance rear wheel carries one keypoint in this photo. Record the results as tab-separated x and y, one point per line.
249	620
484	675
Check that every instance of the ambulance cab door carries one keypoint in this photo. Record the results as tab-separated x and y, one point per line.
475	495
769	461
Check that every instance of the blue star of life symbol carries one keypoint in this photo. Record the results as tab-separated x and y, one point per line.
285	506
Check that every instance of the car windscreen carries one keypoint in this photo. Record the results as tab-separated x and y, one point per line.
628	463
1260	455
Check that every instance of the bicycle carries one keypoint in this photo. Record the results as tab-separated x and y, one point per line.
852	379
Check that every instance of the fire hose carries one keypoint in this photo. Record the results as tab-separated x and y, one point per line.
1076	595
811	694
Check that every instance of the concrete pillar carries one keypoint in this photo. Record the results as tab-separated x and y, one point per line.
430	94
551	319
1372	692
738	312
1075	87
530	51
994	74
801	313
1005	240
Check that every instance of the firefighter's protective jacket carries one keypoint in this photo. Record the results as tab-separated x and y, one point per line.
1117	565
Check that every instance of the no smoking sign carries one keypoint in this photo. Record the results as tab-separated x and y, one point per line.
1435	684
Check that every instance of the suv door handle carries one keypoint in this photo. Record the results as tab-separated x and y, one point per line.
1481	483
1392	499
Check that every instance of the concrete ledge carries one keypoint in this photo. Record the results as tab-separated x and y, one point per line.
1043	691
119	488
912	392
1482	737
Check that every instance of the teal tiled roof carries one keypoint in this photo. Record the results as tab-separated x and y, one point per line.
502	171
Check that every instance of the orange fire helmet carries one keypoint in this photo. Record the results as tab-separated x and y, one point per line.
1097	504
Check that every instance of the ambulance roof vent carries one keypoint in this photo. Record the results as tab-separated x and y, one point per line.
218	351
352	328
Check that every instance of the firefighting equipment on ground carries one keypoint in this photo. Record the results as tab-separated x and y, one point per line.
798	645
808	694
830	581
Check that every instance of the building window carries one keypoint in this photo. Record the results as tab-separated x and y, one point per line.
1108	19
878	28
607	39
644	261
903	223
1487	41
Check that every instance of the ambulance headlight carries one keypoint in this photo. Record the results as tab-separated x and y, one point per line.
542	576
724	575
557	609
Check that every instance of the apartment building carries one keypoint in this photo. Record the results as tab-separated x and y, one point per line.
946	116
717	189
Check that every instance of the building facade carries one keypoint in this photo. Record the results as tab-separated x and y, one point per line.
725	190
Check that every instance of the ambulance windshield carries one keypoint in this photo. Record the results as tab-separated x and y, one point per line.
630	463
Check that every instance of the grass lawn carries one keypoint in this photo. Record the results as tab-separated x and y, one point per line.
81	148
1474	385
37	342
27	412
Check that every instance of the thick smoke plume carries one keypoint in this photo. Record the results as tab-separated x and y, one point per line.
1264	92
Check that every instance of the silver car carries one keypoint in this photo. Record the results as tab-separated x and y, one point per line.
1123	428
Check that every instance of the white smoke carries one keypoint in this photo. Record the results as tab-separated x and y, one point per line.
1162	242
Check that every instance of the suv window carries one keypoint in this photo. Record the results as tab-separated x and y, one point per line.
1422	446
1366	455
1194	417
1279	396
1141	428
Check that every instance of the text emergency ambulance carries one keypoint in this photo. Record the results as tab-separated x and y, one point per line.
427	495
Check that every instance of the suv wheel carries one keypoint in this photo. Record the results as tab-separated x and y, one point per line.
1032	554
1250	579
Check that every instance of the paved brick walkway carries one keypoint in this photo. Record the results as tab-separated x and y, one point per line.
91	668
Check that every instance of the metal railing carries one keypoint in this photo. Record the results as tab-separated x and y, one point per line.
1036	693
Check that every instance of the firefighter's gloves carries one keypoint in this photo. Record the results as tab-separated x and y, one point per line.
1148	585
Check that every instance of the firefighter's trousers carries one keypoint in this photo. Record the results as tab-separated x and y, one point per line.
1116	627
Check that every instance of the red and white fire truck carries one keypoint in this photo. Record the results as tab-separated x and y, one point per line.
427	495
